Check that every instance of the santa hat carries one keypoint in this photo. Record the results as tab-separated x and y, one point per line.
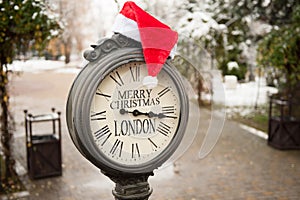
158	40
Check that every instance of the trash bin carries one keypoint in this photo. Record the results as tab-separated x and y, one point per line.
43	149
284	123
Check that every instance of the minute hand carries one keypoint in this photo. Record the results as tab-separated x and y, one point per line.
149	114
160	115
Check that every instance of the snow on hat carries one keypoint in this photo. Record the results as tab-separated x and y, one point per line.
158	40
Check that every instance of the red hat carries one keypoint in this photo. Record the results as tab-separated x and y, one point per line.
158	40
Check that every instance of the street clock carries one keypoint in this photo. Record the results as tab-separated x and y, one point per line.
116	121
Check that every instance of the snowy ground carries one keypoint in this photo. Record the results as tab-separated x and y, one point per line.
242	95
39	65
249	94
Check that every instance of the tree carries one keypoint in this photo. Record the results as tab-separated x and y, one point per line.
24	25
277	12
80	25
280	49
235	42
193	24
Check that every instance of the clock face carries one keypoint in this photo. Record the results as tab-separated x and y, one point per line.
131	124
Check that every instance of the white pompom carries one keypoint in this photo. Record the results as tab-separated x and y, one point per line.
150	81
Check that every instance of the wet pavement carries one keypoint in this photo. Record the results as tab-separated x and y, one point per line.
240	166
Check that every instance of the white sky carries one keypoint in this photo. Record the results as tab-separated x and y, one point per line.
106	10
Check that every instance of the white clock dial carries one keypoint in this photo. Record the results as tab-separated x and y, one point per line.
130	123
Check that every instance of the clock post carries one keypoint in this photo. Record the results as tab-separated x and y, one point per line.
131	186
127	110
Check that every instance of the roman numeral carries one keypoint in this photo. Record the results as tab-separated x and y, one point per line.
163	129
117	78
135	150
117	145
164	91
171	117
154	146
106	139
135	73
104	95
102	132
98	116
168	109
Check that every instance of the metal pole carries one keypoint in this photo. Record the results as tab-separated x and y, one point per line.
26	137
53	121
131	186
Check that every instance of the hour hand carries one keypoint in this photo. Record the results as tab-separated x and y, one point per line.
137	113
134	113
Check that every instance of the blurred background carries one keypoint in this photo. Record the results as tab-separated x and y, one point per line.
252	47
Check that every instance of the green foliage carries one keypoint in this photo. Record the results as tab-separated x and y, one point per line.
238	72
24	24
279	12
229	41
236	15
257	118
12	185
280	49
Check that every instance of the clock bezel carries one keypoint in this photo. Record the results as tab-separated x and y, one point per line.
79	103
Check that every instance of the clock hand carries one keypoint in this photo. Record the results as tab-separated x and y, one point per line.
137	113
134	113
160	115
150	114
